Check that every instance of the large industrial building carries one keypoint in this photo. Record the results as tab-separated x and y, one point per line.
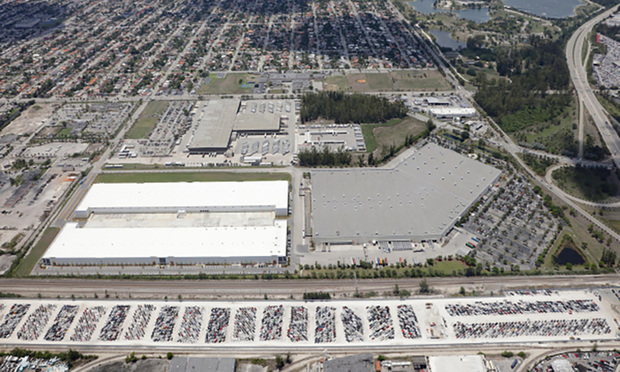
419	200
185	196
176	223
217	120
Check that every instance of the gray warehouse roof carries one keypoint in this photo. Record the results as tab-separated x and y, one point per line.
218	118
420	199
202	365
215	122
355	363
262	115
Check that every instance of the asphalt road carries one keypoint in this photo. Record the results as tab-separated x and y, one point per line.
577	67
242	289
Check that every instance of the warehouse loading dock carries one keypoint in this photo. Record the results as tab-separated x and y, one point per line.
215	122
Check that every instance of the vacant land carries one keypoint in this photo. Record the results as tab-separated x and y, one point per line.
595	184
147	120
232	83
175	176
405	80
381	136
148	365
28	262
555	135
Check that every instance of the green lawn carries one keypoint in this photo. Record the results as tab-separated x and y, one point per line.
396	80
227	85
27	264
614	224
147	120
206	176
419	80
335	83
378	82
64	132
369	137
391	133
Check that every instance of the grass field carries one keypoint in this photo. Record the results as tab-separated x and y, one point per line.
227	85
136	166
595	184
612	109
28	263
393	81
147	120
189	177
64	132
380	136
614	224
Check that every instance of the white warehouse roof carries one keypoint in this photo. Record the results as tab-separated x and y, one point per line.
449	363
189	196
74	242
449	112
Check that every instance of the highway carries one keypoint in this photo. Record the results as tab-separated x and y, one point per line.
577	67
282	289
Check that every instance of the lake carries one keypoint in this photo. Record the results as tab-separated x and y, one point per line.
444	40
477	15
567	255
546	8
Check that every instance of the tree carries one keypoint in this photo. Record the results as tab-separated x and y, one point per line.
608	257
424	287
350	108
361	161
131	358
279	362
169	355
371	159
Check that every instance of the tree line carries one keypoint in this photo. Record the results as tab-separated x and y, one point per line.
313	157
349	108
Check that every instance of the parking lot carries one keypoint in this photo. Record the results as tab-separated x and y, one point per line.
90	122
605	361
518	317
606	68
513	226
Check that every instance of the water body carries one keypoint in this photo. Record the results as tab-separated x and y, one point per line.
477	15
567	255
547	8
444	40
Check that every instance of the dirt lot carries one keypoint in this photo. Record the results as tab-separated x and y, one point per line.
149	365
30	120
